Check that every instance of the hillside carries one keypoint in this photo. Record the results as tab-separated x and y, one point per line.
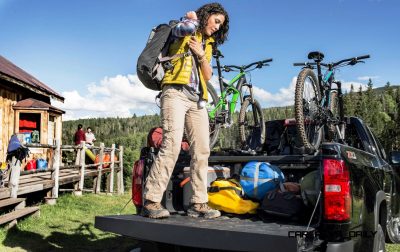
379	108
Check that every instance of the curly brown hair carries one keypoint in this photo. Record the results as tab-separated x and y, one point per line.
205	11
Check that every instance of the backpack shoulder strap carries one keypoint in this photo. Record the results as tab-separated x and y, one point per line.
179	55
173	24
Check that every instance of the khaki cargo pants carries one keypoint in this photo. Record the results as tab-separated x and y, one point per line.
178	111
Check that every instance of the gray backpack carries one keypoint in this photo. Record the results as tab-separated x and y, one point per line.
153	61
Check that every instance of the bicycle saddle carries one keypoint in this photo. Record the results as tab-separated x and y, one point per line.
316	56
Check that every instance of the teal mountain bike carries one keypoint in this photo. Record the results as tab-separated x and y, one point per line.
221	109
318	102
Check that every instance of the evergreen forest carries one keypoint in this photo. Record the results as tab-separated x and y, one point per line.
379	108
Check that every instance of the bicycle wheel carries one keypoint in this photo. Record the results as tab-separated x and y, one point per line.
334	113
214	127
307	110
334	105
251	125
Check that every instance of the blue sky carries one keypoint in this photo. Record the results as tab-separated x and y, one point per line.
87	50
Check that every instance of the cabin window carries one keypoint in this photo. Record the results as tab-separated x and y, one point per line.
29	125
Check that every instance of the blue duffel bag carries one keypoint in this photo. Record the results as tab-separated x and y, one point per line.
258	178
41	164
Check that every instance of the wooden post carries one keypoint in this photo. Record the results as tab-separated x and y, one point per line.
110	177
82	170
77	162
99	168
55	175
120	176
78	155
14	177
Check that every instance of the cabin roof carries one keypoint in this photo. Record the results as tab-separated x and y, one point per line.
26	80
34	104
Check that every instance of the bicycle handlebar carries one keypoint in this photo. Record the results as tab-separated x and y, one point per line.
352	61
259	64
363	57
305	64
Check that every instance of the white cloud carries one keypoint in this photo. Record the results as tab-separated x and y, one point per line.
365	78
115	96
346	86
284	97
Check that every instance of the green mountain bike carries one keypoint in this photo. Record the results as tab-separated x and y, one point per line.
221	110
318	102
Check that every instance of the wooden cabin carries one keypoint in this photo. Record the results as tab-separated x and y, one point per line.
26	109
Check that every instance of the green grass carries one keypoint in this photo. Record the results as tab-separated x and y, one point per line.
393	247
69	226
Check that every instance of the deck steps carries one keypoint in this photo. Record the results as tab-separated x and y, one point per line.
18	214
5	192
10	201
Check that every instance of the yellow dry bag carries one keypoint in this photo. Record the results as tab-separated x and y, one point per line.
225	195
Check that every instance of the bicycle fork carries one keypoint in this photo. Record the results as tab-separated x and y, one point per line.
342	124
338	122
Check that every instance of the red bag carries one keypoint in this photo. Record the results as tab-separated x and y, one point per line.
185	145
137	179
31	165
154	139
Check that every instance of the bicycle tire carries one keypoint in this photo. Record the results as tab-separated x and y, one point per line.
308	125
251	125
335	113
214	127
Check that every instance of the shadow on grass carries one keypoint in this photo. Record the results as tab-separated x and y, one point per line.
83	239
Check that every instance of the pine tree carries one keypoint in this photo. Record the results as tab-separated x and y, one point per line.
349	102
359	110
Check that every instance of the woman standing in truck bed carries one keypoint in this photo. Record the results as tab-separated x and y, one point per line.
184	92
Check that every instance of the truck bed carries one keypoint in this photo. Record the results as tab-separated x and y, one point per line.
223	233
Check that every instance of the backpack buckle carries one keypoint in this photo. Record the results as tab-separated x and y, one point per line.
167	65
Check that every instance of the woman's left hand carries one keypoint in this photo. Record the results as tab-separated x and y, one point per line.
196	47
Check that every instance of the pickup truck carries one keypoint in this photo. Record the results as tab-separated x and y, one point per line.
358	207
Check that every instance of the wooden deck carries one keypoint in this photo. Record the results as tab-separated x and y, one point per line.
20	183
40	181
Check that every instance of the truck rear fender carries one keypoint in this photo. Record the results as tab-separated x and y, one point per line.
380	199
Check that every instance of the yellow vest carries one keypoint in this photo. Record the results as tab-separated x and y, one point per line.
182	66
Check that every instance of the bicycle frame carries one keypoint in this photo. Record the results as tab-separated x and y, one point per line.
229	89
228	107
325	83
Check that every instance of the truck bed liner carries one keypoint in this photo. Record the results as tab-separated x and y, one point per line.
223	233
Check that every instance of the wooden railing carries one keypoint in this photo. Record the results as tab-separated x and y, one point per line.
84	170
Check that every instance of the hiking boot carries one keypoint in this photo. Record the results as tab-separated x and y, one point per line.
202	210
154	210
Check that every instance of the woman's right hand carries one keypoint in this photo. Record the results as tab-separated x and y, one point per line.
191	15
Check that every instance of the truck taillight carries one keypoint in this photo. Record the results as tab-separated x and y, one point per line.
337	198
137	178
